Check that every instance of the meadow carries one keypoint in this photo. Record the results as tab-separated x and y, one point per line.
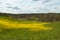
13	29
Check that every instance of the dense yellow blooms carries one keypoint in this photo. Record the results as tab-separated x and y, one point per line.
33	26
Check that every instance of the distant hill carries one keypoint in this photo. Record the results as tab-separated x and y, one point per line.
42	17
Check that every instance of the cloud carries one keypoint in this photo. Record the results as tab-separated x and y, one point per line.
46	1
15	8
29	6
36	0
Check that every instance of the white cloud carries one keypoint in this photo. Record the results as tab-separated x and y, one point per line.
29	6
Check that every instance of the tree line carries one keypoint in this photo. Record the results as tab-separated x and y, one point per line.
43	17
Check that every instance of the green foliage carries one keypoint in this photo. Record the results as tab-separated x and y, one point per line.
25	34
1	27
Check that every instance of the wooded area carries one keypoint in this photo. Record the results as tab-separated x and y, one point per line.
42	17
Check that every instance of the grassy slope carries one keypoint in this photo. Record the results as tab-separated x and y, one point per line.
24	34
18	24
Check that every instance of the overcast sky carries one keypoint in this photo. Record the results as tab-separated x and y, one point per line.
30	6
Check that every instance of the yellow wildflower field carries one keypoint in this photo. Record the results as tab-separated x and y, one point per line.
15	25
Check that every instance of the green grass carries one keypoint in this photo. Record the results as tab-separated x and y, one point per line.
25	34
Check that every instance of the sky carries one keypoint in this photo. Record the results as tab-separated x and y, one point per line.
29	6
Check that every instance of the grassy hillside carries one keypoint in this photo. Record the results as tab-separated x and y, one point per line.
14	29
17	24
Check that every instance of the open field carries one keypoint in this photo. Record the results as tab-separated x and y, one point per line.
32	25
13	29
